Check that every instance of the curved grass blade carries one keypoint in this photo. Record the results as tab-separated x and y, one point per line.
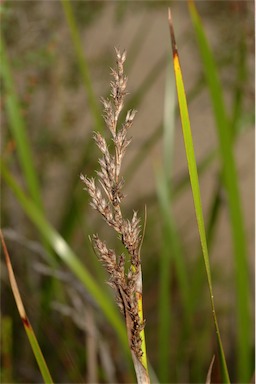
229	174
209	374
28	327
66	254
189	147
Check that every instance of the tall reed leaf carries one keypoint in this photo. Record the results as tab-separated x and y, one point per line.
189	147
234	201
28	327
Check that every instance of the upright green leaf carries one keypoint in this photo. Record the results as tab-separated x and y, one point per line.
230	178
192	167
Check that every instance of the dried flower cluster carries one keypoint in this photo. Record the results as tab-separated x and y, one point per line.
127	285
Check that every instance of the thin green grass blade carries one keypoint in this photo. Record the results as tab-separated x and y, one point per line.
230	178
66	254
18	128
28	327
37	351
171	249
197	276
216	204
189	147
181	184
83	65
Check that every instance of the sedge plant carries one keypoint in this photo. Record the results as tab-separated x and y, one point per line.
106	194
127	284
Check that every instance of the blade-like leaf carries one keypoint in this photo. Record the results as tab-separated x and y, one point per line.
28	327
209	373
230	177
189	147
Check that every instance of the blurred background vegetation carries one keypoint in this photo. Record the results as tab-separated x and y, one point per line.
57	65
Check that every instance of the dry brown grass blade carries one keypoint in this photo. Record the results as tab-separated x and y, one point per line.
28	328
252	381
209	373
13	283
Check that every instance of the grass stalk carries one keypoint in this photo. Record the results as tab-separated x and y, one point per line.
126	284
